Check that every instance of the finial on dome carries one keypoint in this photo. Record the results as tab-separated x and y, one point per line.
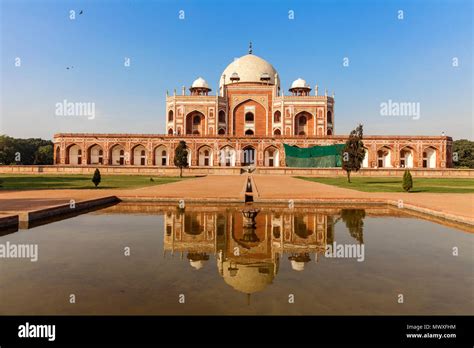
250	47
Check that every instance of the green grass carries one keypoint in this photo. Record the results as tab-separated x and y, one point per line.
383	184
31	182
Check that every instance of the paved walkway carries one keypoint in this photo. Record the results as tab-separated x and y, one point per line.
231	187
285	187
209	187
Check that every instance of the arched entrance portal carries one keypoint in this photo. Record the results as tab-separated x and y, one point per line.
272	157
384	155
95	155
195	123
117	155
429	158
227	157
248	156
205	156
406	157
74	155
139	155
58	155
161	156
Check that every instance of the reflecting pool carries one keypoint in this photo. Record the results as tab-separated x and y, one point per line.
144	258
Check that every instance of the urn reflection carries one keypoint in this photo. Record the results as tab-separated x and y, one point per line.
249	225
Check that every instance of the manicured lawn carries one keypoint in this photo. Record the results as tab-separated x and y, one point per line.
29	182
383	184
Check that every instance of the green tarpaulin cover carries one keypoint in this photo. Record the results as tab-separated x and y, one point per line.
315	156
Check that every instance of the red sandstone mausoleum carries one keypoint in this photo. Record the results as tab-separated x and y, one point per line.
245	123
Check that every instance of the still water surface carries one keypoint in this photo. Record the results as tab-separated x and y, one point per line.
223	264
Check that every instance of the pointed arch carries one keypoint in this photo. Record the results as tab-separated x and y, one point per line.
57	158
139	155
74	154
271	156
277	117
384	157
227	156
246	115
195	123
249	155
205	156
221	117
301	123
117	155
161	156
430	157
407	156
329	117
95	154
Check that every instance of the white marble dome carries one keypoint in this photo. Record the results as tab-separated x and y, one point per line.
249	68
199	83
299	83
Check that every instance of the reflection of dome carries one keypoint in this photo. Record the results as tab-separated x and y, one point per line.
250	68
297	265
196	264
196	259
299	83
200	83
248	278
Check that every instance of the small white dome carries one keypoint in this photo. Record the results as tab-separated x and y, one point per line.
299	83
200	83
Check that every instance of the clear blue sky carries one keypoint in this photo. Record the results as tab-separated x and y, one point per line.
407	60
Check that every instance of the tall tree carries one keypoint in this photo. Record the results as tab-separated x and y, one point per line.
353	153
181	157
96	177
407	182
354	220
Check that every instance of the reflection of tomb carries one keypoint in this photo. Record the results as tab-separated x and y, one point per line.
297	233
247	247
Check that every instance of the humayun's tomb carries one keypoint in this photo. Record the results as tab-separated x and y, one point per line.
245	123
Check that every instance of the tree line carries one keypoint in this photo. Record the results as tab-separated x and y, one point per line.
463	153
25	151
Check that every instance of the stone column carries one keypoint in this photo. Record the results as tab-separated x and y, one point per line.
150	156
373	156
128	154
396	156
85	155
105	147
238	154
